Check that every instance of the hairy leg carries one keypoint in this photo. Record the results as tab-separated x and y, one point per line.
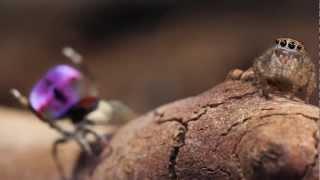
84	145
248	75
55	156
77	60
234	74
264	88
87	131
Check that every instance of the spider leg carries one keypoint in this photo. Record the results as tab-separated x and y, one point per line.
23	100
83	128
77	60
100	141
264	89
74	56
87	131
55	126
234	74
56	157
84	145
77	136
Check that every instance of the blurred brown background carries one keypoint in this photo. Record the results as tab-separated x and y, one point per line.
145	53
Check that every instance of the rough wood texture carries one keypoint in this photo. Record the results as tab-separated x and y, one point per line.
228	132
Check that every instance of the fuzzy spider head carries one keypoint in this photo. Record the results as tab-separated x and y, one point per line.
288	53
59	91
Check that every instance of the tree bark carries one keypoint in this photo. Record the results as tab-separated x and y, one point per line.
228	132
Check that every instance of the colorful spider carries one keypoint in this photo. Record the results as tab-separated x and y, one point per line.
68	93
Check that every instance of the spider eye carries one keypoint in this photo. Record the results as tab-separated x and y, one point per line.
283	43
291	45
277	41
299	47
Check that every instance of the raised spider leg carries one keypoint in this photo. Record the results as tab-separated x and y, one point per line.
23	100
77	60
74	56
56	157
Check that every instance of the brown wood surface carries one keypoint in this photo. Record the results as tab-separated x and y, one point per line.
228	132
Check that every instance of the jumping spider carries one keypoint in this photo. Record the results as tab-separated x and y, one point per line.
285	67
68	93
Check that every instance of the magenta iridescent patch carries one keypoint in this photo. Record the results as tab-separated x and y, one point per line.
61	88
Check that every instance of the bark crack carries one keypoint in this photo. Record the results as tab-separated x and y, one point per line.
227	100
286	114
204	110
180	139
181	136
